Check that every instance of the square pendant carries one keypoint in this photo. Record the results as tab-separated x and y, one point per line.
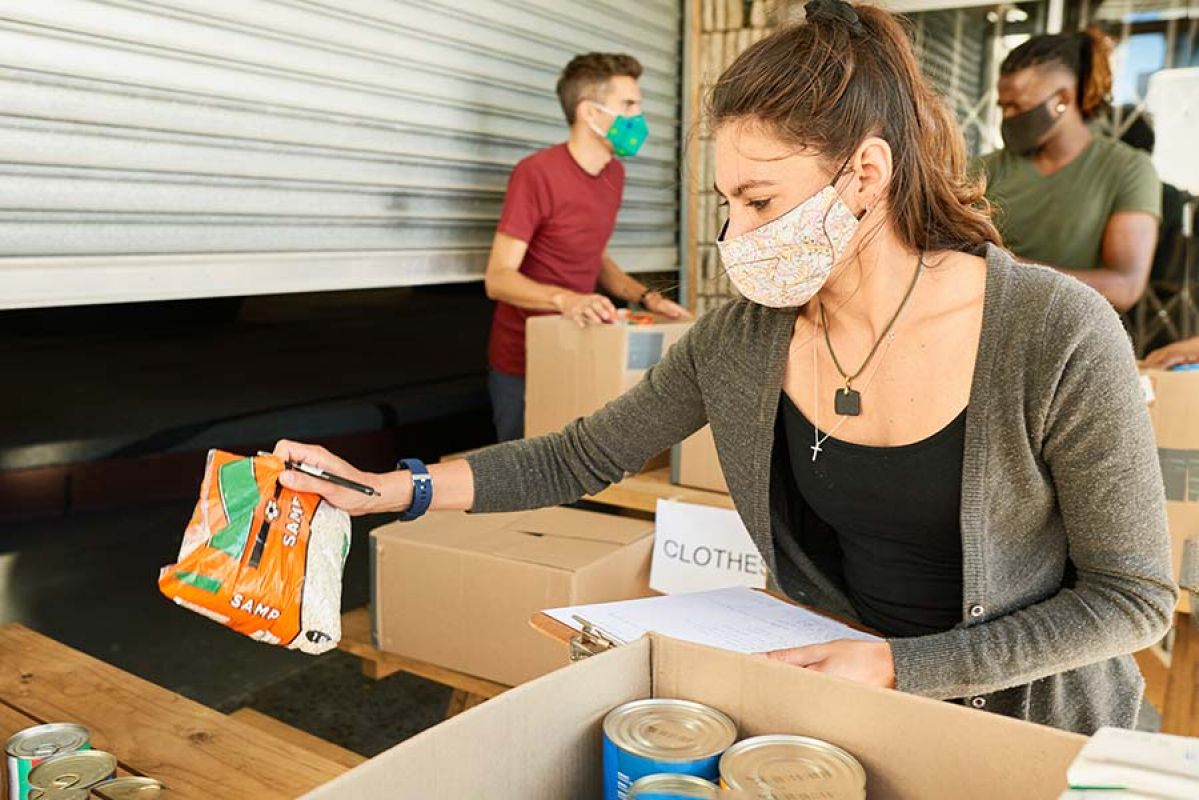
847	402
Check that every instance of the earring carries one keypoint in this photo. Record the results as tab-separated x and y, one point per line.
1061	107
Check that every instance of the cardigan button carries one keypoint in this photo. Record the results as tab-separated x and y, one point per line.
979	702
976	611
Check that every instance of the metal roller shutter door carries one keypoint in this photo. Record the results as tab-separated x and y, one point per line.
155	149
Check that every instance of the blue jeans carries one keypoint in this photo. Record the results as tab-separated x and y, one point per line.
507	405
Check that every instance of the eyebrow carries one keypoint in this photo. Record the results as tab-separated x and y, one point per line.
740	190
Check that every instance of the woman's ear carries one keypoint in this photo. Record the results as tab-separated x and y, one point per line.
871	175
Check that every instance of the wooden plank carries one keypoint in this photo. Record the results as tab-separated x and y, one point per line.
1155	667
198	752
281	730
1181	712
642	493
356	639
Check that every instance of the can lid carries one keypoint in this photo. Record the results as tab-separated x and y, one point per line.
682	787
58	794
43	741
81	770
670	730
133	787
792	767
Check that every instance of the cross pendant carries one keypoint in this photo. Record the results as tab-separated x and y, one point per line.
816	450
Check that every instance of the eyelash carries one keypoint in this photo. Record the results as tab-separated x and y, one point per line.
756	205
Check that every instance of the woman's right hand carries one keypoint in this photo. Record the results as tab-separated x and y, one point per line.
393	494
586	309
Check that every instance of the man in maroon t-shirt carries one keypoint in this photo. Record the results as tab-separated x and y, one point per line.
550	250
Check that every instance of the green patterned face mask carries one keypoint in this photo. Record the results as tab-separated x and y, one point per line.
626	134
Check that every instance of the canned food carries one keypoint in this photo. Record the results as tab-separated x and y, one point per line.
130	788
81	770
58	794
648	737
792	768
672	787
30	747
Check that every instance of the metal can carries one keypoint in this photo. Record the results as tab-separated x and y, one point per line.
130	788
673	787
30	747
785	767
59	794
648	737
80	770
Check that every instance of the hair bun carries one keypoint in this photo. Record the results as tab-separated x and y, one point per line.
837	10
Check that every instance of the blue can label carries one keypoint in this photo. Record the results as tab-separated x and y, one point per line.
622	769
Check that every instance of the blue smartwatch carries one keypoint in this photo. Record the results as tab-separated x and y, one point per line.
422	488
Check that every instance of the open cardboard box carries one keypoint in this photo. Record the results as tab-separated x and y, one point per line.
541	741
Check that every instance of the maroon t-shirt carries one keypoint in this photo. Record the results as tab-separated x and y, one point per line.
567	217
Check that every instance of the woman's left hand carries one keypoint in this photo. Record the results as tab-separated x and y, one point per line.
863	662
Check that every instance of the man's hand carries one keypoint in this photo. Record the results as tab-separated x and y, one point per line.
586	309
668	308
862	662
1184	352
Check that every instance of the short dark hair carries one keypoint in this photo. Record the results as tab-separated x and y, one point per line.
586	75
1085	54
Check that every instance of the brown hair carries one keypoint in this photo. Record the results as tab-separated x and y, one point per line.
586	75
847	73
1085	54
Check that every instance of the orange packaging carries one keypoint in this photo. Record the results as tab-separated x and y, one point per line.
260	558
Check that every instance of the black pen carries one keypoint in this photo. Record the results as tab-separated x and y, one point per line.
337	480
320	474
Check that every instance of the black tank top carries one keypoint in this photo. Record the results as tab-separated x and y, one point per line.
896	515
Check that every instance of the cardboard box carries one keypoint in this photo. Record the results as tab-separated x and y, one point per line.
694	463
1174	409
457	590
541	741
573	371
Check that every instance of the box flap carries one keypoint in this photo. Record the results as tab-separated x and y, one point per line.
911	747
559	538
569	523
539	741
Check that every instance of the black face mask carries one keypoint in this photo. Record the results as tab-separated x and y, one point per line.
1023	132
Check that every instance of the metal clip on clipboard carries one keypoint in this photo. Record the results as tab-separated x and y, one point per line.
590	641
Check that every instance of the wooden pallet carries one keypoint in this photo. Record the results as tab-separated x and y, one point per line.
469	690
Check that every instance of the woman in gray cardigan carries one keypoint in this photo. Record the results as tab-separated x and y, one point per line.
919	433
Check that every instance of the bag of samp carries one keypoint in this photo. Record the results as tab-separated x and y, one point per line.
260	558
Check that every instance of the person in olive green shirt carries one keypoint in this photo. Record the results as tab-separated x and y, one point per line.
1087	205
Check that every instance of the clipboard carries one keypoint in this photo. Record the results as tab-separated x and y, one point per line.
591	640
583	644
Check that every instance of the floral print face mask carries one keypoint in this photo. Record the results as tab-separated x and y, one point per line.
784	263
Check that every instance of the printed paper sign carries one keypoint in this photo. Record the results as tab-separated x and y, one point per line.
700	548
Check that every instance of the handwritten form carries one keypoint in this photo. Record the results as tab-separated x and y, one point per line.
738	619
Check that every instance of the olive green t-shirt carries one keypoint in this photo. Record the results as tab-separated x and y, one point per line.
1059	219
